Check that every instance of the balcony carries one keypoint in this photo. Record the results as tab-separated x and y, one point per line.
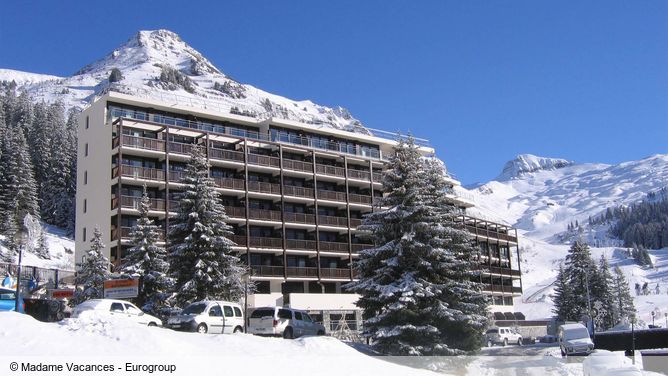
130	202
262	242
140	143
325	220
308	219
502	289
226	155
229	183
377	177
299	271
262	187
240	240
359	199
355	222
502	271
235	211
264	215
334	273
330	170
358	247
125	233
138	173
267	271
359	175
180	148
176	176
335	247
332	195
289	164
263	160
291	190
308	245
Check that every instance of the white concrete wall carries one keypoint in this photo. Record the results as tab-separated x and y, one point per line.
275	299
324	301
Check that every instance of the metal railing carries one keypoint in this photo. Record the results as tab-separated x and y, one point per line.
309	245
326	220
359	175
359	199
330	170
289	164
228	155
263	160
331	195
333	247
131	202
291	190
264	215
229	183
304	218
296	271
266	242
235	211
144	143
334	273
262	187
267	270
138	172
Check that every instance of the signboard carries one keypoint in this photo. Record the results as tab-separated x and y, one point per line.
121	288
62	293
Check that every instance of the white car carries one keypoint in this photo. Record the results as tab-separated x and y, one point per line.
283	322
574	339
211	316
117	308
503	336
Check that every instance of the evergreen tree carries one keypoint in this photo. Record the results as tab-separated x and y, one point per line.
148	261
56	201
42	249
201	259
93	271
579	267
602	295
563	296
415	284
623	302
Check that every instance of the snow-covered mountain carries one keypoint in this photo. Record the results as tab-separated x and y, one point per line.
187	77
541	196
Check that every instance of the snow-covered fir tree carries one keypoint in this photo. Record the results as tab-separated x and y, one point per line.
601	295
148	261
92	272
578	274
563	296
623	306
202	261
416	284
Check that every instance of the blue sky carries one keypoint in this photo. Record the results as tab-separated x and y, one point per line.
483	80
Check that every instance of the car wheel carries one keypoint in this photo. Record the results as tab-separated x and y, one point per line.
519	342
152	324
238	329
201	328
505	341
320	333
287	333
490	343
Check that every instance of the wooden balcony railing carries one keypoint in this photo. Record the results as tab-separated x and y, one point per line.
354	222
295	271
227	155
377	177
267	270
291	190
331	195
326	220
334	247
359	175
309	245
263	160
308	219
141	143
240	240
262	187
130	202
229	183
330	170
235	211
503	289
290	164
334	273
502	271
180	148
262	242
264	215
359	199
139	172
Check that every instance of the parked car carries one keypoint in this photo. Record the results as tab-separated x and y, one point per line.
210	316
8	300
503	336
283	322
117	308
574	339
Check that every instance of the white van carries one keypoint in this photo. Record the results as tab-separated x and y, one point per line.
210	316
117	308
574	339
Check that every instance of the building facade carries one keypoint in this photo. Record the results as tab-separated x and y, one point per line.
295	194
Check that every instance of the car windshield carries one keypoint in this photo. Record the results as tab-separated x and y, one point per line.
260	313
7	295
194	309
576	333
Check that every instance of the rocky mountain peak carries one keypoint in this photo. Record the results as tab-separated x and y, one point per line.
528	163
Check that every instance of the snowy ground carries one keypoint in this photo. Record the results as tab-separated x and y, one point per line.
61	249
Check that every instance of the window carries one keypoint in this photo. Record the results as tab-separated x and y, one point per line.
228	311
215	311
85	177
87	121
237	312
85	205
260	313
86	150
194	309
285	314
307	318
116	307
132	309
84	234
298	316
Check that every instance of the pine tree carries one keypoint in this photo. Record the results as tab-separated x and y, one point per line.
55	196
42	249
148	261
623	302
201	259
563	296
93	271
416	284
579	267
601	294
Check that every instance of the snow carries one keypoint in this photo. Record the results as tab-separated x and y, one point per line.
61	250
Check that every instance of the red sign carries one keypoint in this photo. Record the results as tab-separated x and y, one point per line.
62	293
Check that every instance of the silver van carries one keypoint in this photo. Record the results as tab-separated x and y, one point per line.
283	322
210	316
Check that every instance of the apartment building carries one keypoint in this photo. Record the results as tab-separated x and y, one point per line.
295	194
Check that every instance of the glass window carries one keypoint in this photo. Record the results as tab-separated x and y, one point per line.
194	309
7	295
237	312
285	314
298	316
132	309
228	311
116	307
259	313
215	311
307	318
